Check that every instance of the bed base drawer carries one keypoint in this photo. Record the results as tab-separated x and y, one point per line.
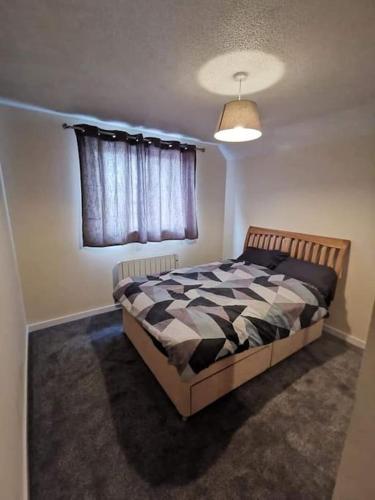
224	381
283	348
286	347
221	377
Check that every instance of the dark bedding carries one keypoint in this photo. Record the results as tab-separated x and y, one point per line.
201	314
262	257
322	277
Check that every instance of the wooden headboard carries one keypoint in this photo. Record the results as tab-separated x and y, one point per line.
317	249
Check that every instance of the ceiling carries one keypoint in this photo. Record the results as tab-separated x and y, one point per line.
167	64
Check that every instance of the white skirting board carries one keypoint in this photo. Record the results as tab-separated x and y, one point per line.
350	339
71	317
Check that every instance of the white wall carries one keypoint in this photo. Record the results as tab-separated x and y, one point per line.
355	478
13	483
316	177
41	172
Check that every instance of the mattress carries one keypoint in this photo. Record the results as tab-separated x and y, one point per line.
201	314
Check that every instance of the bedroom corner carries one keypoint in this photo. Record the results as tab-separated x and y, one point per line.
13	367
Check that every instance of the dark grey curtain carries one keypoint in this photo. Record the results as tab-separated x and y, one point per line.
135	188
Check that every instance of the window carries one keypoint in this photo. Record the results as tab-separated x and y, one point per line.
135	189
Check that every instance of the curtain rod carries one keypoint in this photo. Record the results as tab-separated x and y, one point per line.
107	132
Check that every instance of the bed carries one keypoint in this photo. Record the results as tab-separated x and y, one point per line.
210	382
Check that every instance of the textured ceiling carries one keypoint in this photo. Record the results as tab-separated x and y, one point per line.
165	64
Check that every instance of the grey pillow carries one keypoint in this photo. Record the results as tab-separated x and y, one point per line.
322	277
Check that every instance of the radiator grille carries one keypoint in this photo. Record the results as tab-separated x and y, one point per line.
152	265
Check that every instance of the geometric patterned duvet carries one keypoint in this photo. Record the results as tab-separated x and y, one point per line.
201	314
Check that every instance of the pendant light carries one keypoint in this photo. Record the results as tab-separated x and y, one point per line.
239	120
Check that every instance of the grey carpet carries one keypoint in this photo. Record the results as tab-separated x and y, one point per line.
100	427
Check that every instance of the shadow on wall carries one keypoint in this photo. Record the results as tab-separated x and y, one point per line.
338	308
163	449
116	274
371	330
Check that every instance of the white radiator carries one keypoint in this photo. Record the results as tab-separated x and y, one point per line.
152	265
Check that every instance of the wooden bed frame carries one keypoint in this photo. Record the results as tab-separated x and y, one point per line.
230	372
